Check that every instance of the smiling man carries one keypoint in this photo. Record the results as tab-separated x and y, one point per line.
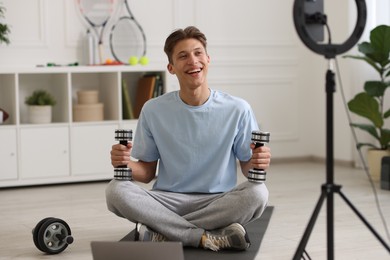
189	62
196	136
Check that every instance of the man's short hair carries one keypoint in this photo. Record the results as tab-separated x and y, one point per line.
190	32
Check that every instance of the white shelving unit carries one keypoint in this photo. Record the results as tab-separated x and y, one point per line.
63	151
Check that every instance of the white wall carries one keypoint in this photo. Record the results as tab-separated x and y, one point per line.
255	53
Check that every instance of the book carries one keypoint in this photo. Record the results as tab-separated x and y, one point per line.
145	90
158	88
127	107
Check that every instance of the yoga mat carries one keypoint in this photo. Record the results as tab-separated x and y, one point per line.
255	229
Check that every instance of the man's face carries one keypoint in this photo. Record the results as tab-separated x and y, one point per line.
190	63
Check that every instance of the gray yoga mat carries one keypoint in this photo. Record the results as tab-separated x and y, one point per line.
255	229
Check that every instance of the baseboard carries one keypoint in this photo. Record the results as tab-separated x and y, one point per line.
314	159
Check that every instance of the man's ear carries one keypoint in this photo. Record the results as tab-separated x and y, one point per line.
170	69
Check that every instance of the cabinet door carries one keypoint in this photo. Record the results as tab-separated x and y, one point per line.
90	149
44	152
8	160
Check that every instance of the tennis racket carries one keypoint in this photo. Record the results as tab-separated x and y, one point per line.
127	38
97	13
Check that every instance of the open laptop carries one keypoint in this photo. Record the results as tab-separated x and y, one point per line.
131	250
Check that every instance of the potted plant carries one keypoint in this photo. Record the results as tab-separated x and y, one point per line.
370	103
39	107
4	29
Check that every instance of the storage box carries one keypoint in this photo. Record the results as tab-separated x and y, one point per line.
87	97
88	112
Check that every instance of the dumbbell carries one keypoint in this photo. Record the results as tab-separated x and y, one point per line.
122	172
52	235
259	138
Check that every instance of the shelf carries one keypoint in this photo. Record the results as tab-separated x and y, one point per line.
54	83
8	97
65	150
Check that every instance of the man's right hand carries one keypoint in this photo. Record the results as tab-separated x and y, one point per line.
120	154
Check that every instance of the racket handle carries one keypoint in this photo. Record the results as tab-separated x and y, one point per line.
90	48
101	53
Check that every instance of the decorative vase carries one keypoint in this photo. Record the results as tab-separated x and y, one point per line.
39	114
374	161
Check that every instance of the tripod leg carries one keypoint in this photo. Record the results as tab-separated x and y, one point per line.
330	219
364	221
302	245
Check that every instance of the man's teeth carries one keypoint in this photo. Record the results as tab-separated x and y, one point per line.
194	71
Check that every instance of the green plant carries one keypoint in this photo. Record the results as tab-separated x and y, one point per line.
40	98
370	103
4	29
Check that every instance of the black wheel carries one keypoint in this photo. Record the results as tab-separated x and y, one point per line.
35	232
52	236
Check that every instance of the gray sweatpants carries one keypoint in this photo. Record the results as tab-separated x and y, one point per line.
184	217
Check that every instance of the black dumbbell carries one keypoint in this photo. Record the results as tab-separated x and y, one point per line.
259	139
122	172
52	235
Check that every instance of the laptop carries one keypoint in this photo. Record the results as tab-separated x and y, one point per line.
131	250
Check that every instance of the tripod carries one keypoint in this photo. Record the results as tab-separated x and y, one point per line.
329	188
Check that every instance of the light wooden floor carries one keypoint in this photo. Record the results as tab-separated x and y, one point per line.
294	191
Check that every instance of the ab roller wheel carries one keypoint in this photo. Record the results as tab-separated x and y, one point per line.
52	235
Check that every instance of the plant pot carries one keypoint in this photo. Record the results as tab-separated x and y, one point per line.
39	114
374	161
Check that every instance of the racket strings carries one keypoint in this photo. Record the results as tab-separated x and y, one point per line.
97	12
127	40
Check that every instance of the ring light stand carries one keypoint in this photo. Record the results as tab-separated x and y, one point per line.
329	188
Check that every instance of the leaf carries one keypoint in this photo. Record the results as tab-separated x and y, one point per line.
40	98
379	47
385	138
366	59
380	43
366	48
375	88
360	145
4	29
366	106
368	128
2	11
386	114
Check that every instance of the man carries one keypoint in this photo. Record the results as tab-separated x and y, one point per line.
195	135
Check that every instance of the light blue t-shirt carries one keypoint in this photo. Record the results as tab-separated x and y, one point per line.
197	145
